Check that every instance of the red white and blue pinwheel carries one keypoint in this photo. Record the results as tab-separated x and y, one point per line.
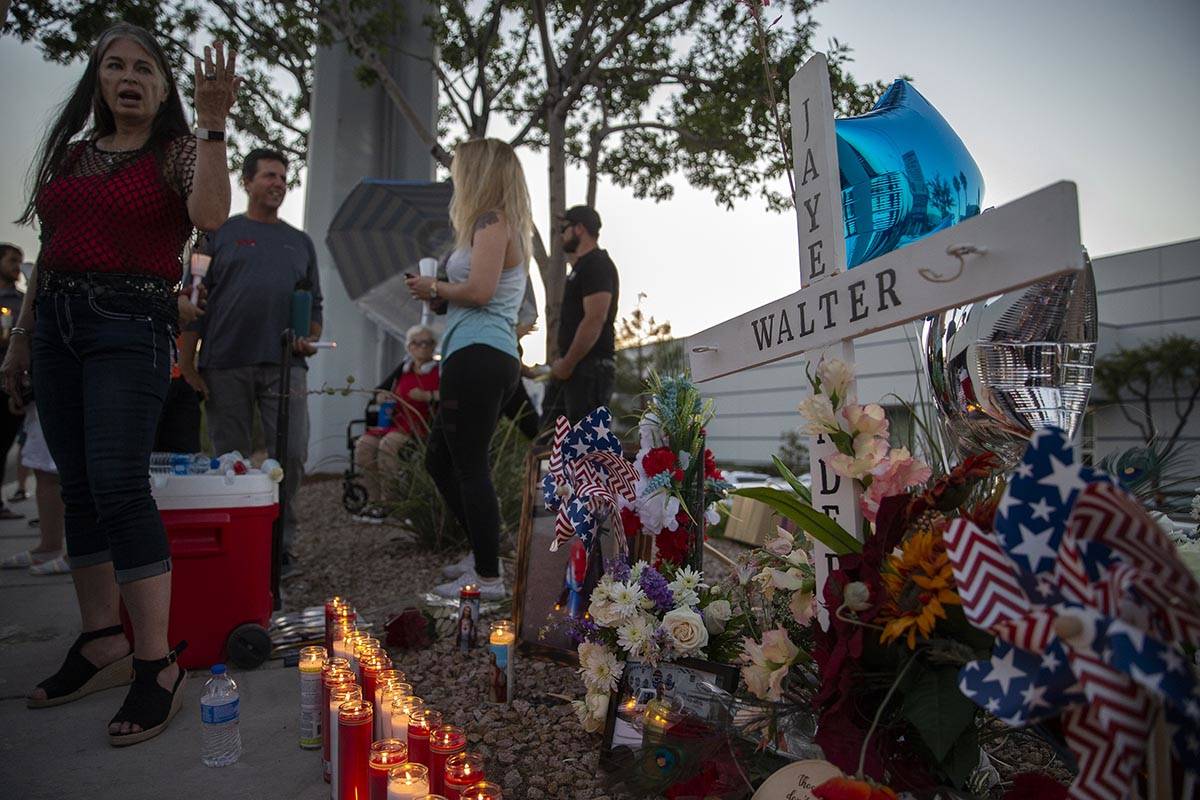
587	474
1090	606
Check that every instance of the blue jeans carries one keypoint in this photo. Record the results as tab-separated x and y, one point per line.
100	378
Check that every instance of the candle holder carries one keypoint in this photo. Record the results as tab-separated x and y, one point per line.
421	723
350	648
312	661
386	691
370	667
408	782
354	749
366	646
336	608
402	710
334	677
484	790
462	770
338	695
386	755
444	741
468	617
501	641
345	636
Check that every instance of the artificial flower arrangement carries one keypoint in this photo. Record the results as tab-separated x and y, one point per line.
678	484
640	613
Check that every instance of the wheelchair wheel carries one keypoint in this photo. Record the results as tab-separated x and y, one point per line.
354	497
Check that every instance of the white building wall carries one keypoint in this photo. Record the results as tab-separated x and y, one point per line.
1145	294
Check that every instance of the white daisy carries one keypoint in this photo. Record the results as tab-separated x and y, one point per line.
626	599
602	672
634	634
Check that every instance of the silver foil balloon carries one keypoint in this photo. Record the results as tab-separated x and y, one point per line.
1002	368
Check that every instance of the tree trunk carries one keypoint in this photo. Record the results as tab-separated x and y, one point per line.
553	272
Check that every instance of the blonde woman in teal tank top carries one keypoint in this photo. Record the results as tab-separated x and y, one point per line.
493	225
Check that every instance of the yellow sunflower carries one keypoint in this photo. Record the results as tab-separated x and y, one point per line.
920	583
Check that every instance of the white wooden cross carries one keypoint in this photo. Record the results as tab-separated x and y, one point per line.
1017	244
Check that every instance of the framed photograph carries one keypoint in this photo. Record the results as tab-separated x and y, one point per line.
550	588
674	683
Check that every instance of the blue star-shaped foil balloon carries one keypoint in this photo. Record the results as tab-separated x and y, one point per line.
905	174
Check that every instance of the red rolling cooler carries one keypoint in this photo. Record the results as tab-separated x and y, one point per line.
219	530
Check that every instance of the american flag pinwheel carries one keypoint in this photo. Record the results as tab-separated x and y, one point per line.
1089	604
587	474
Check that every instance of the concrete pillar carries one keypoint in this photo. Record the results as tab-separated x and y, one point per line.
356	133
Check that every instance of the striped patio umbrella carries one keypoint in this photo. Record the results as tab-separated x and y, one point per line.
385	227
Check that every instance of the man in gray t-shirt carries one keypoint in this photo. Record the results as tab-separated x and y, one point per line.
258	261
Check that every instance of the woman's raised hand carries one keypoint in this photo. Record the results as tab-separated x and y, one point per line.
216	86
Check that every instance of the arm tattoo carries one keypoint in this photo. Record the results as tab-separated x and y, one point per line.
486	220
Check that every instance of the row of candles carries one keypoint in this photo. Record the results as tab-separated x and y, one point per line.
378	740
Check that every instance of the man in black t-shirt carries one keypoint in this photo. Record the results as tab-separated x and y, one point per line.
585	368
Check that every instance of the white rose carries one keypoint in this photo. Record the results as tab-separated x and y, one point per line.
606	614
857	596
716	614
686	630
592	711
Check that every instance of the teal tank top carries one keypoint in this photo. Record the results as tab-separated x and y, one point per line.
494	324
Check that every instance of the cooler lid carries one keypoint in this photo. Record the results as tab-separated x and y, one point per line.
178	492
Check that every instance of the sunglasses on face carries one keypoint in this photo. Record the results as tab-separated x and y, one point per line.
422	342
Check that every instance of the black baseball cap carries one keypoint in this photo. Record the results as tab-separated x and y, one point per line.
585	216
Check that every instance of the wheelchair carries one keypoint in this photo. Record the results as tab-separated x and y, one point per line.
354	493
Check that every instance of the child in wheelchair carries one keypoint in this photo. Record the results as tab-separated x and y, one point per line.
405	399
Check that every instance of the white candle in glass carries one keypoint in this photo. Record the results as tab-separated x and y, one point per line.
387	694
408	782
402	708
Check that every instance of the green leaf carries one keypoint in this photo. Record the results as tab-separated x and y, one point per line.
798	487
938	710
962	759
816	524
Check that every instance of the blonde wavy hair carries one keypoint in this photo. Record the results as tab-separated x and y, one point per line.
487	176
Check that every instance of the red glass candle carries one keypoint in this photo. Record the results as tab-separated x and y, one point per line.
354	749
363	647
371	666
462	770
444	741
344	620
420	724
484	790
335	607
386	755
332	677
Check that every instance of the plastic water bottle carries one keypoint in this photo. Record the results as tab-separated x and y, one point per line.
180	464
219	715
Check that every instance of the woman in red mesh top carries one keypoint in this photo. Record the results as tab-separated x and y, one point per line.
116	208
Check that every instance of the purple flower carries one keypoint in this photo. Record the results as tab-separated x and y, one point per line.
617	569
655	586
583	630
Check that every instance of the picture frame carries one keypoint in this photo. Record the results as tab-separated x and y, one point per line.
668	681
542	589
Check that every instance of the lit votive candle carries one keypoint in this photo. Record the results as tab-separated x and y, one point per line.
312	659
403	707
386	755
462	770
333	678
501	639
484	790
433	797
387	690
363	647
336	608
408	782
343	630
350	648
337	697
421	723
444	741
372	665
354	749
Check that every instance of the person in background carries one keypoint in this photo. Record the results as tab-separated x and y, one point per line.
257	262
585	368
487	272
10	420
47	557
413	387
116	209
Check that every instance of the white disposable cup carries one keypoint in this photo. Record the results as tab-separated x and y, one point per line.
428	267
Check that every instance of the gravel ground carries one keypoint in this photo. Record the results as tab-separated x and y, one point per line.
534	749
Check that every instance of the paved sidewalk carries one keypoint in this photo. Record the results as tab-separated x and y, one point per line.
64	752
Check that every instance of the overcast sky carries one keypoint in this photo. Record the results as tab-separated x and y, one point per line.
1101	92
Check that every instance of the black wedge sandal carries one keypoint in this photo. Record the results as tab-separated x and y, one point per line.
78	677
148	705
